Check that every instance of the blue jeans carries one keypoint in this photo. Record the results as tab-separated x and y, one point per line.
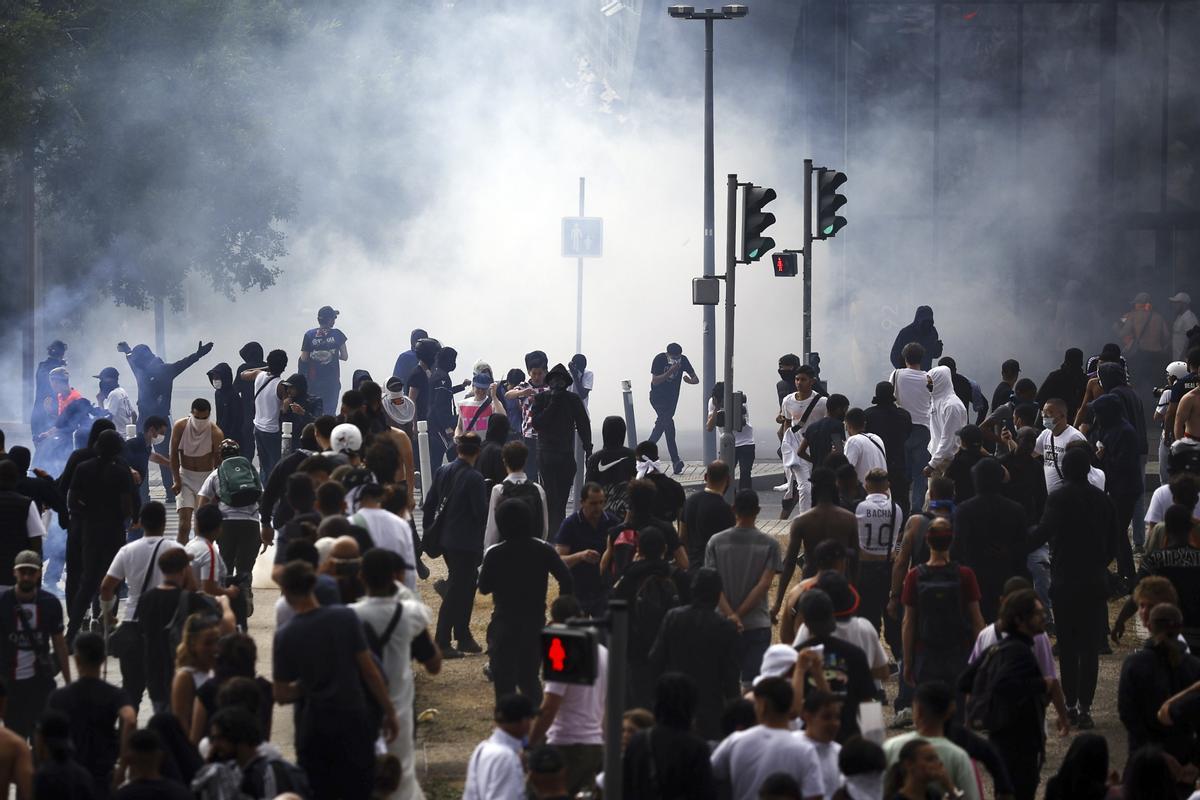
752	644
916	458
54	551
664	424
531	463
269	446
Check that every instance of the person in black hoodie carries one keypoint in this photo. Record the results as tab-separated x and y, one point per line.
1118	456
557	416
490	462
1068	383
923	332
613	465
227	402
252	358
892	425
1152	675
970	453
1080	525
1026	482
990	535
298	406
651	588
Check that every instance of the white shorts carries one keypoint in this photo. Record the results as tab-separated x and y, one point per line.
190	482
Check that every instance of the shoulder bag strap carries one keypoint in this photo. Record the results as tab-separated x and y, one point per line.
266	383
808	411
475	417
146	580
878	446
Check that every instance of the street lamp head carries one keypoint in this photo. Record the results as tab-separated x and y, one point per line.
681	12
735	11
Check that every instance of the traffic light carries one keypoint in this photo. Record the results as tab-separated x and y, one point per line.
568	655
739	411
829	201
755	222
787	265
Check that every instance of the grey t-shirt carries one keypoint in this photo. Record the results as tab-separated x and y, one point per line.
741	555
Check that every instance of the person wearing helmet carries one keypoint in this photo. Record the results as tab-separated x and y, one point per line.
236	488
1176	371
345	444
1187	415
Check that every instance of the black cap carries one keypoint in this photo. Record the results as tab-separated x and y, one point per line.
514	708
325	312
546	760
884	393
108	374
817	610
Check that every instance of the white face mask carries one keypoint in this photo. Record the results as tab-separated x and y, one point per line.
157	439
201	424
217	383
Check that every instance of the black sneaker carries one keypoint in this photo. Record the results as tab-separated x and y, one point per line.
1086	723
449	653
469	646
439	586
1073	716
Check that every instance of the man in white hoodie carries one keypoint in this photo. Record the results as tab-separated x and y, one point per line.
947	415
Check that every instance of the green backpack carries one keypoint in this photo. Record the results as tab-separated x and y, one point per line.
237	482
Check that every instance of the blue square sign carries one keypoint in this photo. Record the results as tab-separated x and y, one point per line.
582	237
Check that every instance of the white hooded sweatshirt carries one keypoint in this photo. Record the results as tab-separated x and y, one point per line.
947	415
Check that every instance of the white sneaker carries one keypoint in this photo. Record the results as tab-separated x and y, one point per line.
783	487
904	719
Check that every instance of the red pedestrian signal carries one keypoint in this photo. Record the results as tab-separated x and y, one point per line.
568	654
786	265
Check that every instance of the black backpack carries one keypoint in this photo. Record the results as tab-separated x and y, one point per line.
655	596
527	492
986	711
941	624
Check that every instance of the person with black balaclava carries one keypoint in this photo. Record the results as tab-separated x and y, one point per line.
101	497
252	358
1117	452
970	452
155	382
490	463
989	535
1026	482
966	390
418	387
892	425
227	403
557	416
442	417
43	416
613	465
298	406
923	332
406	361
788	364
1067	383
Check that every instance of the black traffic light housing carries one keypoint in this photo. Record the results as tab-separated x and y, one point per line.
739	410
755	221
569	655
787	265
829	202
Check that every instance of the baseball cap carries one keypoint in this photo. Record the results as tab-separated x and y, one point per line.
482	380
1141	297
327	311
27	558
108	374
778	659
1181	297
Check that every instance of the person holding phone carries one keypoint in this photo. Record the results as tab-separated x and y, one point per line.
667	373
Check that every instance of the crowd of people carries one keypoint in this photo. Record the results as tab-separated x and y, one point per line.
954	555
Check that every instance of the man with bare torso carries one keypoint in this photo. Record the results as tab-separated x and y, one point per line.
195	453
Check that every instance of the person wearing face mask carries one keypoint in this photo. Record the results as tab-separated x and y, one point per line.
114	399
923	332
558	415
524	393
42	418
140	451
227	401
947	416
195	453
1053	440
667	371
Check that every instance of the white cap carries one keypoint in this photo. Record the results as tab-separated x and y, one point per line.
1177	369
1182	297
778	659
345	438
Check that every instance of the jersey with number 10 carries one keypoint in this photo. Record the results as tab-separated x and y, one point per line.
878	522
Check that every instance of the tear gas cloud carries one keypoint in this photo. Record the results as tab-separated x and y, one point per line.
433	169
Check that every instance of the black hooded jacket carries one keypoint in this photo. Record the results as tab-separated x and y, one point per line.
1119	458
1112	378
923	332
490	463
156	379
990	533
311	404
1067	383
228	403
252	358
614	463
892	424
558	414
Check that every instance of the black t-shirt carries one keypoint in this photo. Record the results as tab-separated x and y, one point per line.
668	531
207	695
668	502
704	514
666	394
825	436
419	380
93	710
577	535
319	648
137	454
156	609
63	780
158	789
323	345
849	677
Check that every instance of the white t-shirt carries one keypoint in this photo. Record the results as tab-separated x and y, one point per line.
207	563
880	522
749	757
211	488
912	393
580	716
33	529
119	407
390	532
397	658
746	434
266	403
793	410
857	631
865	452
131	563
1160	501
827	757
1051	448
494	771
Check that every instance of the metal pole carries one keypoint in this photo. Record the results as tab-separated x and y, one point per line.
630	422
807	336
29	224
710	245
614	700
727	448
580	466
